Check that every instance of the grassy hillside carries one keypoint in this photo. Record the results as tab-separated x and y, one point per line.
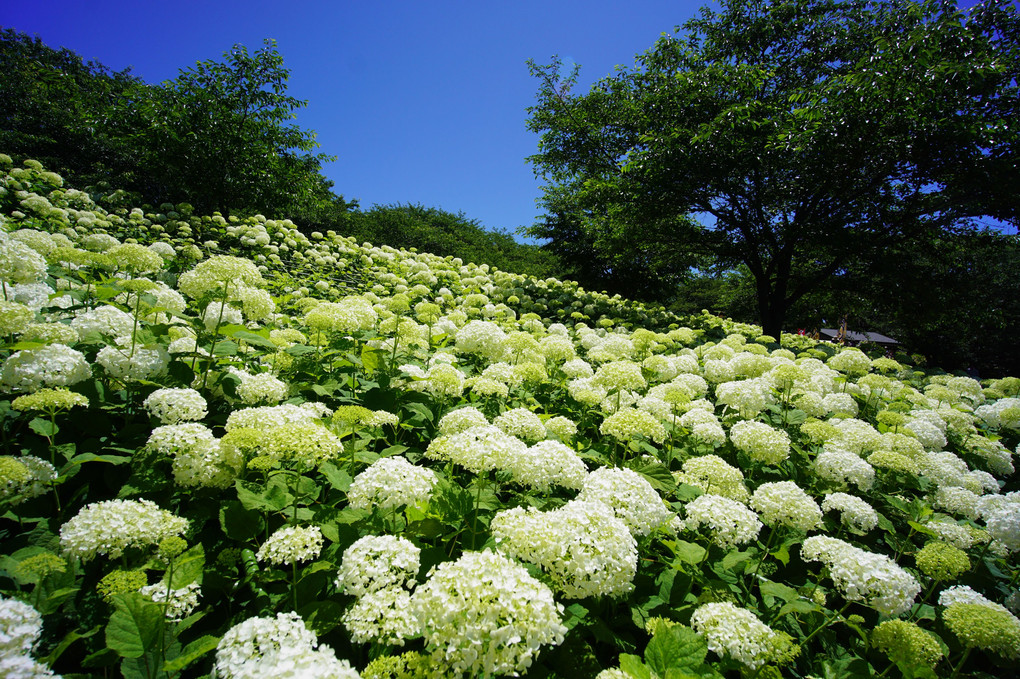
234	448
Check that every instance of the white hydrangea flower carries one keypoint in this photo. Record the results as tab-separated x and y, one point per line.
109	527
281	647
713	475
629	495
853	511
391	482
291	544
729	522
20	627
485	615
55	365
842	466
627	423
262	388
735	632
133	363
178	603
1003	524
378	561
460	420
785	503
521	423
382	616
479	449
583	546
172	406
760	441
872	579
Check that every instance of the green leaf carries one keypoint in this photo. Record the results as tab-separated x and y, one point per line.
192	652
254	340
779	591
134	626
188	567
338	478
677	648
239	523
798	606
43	427
372	358
633	667
656	473
688	552
322	616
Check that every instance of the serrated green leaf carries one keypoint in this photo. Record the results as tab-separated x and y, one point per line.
192	652
633	667
188	567
338	478
688	552
239	523
134	626
678	648
779	591
43	427
254	339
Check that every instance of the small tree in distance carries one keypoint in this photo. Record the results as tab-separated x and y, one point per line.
807	136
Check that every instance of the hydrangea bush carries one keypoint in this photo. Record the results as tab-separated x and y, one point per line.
231	448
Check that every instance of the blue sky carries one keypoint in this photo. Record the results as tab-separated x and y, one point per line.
422	102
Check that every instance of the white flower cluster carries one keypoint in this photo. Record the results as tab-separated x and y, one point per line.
853	511
291	544
583	546
262	388
55	365
484	615
460	420
842	467
761	442
521	423
547	464
629	495
281	647
391	482
376	562
109	527
172	406
178	603
729	522
198	457
104	320
735	632
264	418
478	449
785	503
872	579
133	363
380	571
627	423
20	628
712	474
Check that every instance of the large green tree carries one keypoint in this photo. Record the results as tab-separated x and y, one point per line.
221	135
806	136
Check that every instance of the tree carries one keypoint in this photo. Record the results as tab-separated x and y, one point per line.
219	137
807	136
63	111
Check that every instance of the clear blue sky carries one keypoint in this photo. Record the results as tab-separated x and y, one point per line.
421	101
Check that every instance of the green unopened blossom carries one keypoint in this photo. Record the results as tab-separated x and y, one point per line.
941	561
50	401
995	630
135	258
409	665
627	423
38	566
121	582
712	474
907	644
307	443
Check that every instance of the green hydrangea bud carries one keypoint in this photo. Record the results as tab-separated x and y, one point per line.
941	561
121	582
907	644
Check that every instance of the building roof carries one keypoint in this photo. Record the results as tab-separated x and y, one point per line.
853	336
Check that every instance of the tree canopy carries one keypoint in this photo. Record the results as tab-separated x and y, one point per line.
805	137
219	136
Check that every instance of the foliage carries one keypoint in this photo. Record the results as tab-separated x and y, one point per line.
184	489
218	137
809	137
443	233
